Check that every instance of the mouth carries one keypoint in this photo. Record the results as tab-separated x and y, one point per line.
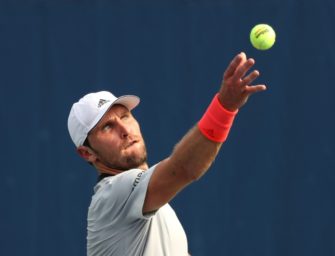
128	145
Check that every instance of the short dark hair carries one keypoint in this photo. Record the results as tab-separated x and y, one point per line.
87	144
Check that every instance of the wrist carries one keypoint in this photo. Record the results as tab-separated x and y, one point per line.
215	124
225	105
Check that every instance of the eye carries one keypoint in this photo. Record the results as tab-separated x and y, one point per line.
107	126
125	116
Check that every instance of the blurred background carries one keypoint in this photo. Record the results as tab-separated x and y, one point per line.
270	191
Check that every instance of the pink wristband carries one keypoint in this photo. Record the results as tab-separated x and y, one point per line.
217	121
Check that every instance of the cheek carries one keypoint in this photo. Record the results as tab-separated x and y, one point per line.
109	152
135	125
105	145
138	131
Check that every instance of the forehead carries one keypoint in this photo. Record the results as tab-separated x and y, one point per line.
116	109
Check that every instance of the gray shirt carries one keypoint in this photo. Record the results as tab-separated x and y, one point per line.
117	226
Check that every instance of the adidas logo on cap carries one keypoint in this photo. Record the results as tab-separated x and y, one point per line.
102	102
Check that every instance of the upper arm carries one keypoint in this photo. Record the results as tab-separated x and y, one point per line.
165	182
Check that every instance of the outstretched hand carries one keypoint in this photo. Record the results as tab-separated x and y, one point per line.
236	85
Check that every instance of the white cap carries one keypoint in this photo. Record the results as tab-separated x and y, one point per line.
88	111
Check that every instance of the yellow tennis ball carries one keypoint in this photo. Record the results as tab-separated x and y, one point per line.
262	36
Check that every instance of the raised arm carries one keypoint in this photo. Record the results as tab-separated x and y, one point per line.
194	154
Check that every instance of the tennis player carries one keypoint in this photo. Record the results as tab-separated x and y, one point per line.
129	214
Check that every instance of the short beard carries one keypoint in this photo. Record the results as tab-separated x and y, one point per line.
132	163
128	162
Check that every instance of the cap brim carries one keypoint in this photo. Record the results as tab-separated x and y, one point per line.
129	101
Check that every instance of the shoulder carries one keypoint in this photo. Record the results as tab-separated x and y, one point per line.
124	178
124	193
126	181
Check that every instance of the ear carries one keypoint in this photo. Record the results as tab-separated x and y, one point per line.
87	153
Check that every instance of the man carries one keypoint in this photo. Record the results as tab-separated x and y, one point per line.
129	213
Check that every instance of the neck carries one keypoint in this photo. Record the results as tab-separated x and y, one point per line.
112	171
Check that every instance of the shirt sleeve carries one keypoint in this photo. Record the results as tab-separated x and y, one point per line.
124	194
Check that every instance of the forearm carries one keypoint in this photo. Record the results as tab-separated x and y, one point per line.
190	159
194	154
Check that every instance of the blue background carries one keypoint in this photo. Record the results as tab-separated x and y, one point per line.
271	189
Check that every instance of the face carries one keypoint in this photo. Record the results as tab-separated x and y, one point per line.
117	141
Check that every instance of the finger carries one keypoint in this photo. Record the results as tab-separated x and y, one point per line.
243	69
255	88
250	78
233	65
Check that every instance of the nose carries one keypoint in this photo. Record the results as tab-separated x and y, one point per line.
124	130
